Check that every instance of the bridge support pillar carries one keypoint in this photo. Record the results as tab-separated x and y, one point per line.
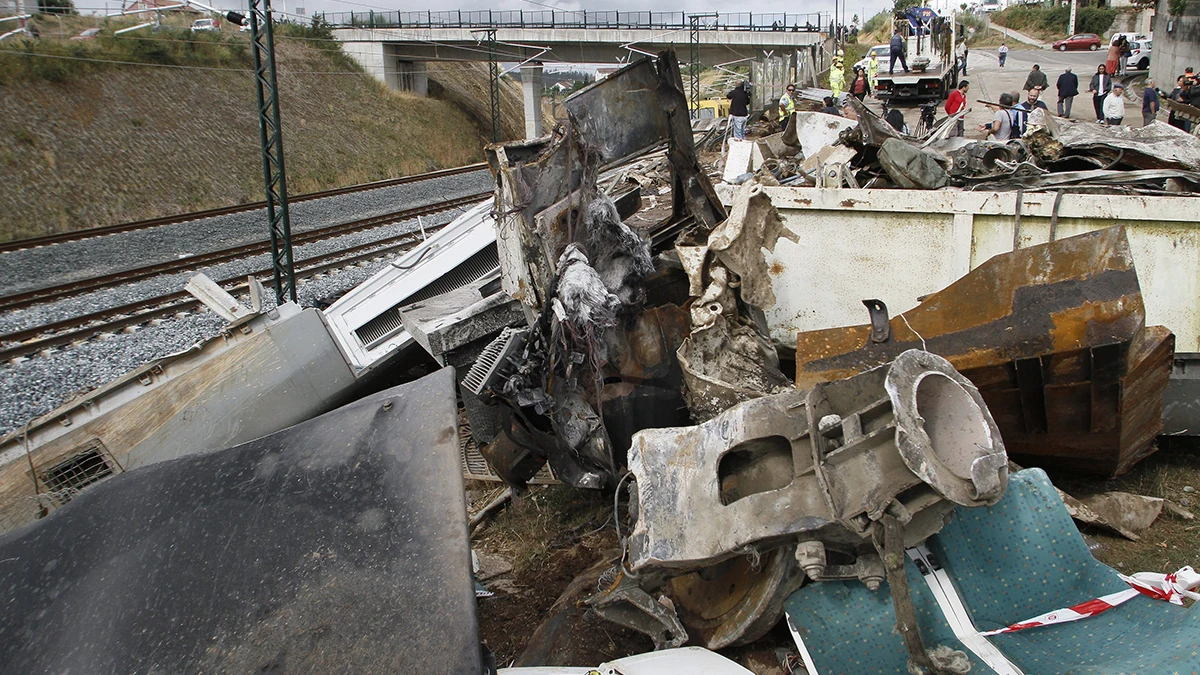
379	59
531	86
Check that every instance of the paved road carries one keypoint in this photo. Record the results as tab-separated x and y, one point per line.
988	80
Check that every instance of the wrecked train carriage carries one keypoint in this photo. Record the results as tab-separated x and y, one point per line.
898	246
1053	335
597	359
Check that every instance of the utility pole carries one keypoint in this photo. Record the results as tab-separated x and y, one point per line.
494	84
262	39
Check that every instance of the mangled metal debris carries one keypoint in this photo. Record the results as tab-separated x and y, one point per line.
810	473
1055	338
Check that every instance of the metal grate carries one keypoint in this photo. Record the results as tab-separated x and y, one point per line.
468	271
63	480
475	467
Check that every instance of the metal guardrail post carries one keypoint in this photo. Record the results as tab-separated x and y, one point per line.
262	38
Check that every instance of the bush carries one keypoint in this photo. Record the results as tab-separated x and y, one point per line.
1094	19
1056	19
878	22
62	61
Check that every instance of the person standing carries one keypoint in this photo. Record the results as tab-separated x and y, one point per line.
1036	79
896	51
1150	104
1100	86
1003	51
872	70
787	106
966	51
859	87
1068	89
1114	53
1123	59
1114	105
1020	112
1177	94
955	102
739	110
837	79
1000	127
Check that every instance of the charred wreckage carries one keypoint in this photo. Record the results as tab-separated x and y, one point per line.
620	326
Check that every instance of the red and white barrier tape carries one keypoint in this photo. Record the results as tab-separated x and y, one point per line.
1170	587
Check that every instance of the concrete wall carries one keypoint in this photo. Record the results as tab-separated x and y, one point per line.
1176	43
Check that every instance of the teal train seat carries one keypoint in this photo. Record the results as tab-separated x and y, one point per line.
1013	561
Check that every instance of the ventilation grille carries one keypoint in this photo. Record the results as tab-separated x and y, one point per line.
65	479
475	467
387	324
490	362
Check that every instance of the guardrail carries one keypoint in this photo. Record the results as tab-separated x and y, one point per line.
743	21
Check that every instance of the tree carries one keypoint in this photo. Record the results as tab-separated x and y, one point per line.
854	21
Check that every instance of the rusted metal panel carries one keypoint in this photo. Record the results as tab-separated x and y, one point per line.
1053	335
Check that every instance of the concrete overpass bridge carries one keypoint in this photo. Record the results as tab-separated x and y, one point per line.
396	46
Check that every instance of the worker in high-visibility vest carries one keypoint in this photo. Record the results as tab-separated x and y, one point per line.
837	77
872	69
787	105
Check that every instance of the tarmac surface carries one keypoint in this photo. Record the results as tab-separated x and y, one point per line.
988	80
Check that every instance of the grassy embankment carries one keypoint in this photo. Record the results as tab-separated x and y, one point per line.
87	139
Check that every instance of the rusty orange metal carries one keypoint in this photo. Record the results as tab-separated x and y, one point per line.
1054	337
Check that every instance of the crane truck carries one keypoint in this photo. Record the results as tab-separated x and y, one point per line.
931	47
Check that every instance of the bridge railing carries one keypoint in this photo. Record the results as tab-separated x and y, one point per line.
517	18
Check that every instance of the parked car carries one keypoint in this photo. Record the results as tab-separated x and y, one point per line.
89	34
1139	56
881	52
1128	36
990	6
202	25
1079	41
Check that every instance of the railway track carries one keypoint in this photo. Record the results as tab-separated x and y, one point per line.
31	341
33	242
80	287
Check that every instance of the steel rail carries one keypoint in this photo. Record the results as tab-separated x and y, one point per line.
76	235
27	342
81	286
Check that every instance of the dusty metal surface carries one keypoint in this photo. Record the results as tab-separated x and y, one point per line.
908	440
1157	146
872	445
337	545
223	391
1053	335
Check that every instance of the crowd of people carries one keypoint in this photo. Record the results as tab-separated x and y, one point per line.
1010	117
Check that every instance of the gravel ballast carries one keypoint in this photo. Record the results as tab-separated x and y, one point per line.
44	266
42	383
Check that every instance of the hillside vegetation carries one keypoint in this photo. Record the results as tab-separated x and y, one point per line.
85	143
1050	22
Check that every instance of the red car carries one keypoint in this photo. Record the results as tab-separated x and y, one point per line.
1081	41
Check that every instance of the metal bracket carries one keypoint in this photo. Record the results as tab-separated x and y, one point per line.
881	330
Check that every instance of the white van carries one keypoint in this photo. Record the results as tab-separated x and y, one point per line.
1128	36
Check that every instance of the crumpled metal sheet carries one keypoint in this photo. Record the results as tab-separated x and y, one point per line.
823	464
1157	146
1054	336
911	167
738	242
337	545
